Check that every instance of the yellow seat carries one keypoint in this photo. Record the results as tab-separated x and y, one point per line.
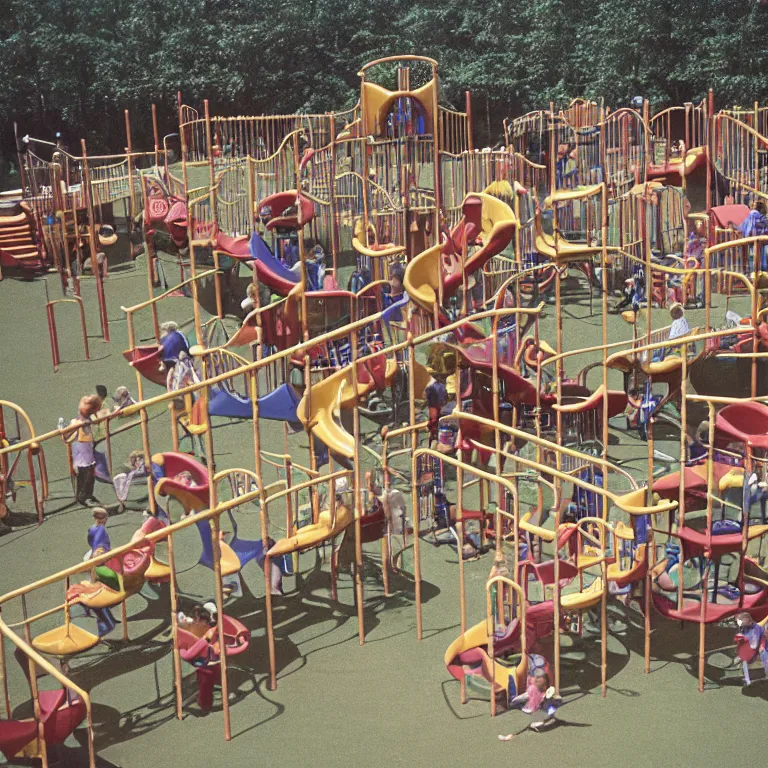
230	562
634	503
158	571
624	531
667	365
579	601
107	598
377	253
312	535
66	640
587	561
733	478
616	572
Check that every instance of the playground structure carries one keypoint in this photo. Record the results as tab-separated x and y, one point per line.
487	240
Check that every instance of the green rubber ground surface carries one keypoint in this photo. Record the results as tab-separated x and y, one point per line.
388	703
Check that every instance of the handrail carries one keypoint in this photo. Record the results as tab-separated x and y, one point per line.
388	59
539	441
155	299
256	365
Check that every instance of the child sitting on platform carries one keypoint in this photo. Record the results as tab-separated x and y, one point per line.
679	325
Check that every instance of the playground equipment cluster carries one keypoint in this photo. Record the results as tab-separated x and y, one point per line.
452	255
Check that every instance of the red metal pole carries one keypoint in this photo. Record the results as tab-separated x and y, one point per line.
53	336
468	101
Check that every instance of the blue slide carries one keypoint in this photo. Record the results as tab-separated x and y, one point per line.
260	252
278	405
245	549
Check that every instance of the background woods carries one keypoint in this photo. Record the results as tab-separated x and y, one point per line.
73	66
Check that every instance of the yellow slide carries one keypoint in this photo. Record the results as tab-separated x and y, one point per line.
669	364
496	673
311	535
556	248
494	221
377	251
422	278
331	395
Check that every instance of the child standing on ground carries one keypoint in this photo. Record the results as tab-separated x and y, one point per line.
83	458
205	654
750	643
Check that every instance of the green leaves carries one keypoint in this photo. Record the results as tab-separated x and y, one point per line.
71	66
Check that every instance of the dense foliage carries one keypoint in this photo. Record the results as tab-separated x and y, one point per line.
74	66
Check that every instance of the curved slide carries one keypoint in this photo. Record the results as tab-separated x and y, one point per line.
330	395
234	555
485	218
467	656
556	248
270	270
279	405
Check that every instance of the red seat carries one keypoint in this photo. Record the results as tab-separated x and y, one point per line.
15	735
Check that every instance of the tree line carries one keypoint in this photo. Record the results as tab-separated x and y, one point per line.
74	67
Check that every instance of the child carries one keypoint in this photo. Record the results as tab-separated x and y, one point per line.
185	478
102	392
755	224
539	695
436	396
123	481
99	543
445	517
122	399
98	538
83	458
248	304
680	325
750	643
695	250
315	266
173	343
205	654
396	280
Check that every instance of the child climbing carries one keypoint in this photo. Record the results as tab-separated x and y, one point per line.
174	343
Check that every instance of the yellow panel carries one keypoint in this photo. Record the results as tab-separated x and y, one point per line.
377	101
